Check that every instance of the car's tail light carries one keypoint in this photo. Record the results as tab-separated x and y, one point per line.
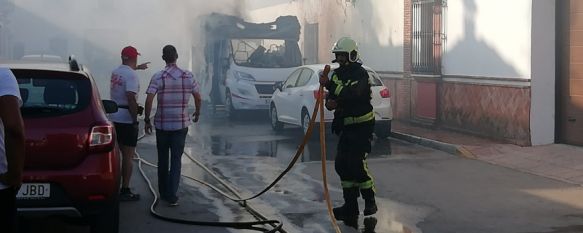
317	93
385	93
101	137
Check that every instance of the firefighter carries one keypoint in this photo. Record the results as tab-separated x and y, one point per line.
349	96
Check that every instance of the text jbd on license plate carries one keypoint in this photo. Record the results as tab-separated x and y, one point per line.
34	190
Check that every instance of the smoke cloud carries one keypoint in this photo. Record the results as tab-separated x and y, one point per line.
96	31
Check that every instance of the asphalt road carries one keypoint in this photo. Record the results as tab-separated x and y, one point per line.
419	189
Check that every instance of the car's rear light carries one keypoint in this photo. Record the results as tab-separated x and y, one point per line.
317	93
101	138
101	135
385	93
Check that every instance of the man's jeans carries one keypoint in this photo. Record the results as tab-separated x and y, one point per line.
170	145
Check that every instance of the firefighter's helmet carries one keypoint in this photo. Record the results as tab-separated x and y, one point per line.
347	45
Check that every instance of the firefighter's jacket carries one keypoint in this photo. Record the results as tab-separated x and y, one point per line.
350	88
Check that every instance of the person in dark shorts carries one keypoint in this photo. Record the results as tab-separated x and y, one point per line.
124	90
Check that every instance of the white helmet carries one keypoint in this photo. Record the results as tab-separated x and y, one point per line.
349	46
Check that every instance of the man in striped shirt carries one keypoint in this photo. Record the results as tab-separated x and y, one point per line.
173	86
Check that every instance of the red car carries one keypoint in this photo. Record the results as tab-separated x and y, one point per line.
72	166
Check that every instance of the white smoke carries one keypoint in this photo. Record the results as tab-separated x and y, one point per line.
96	31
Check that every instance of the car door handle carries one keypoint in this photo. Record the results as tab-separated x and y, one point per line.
571	119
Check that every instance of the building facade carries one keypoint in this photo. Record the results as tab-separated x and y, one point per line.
569	72
489	68
476	67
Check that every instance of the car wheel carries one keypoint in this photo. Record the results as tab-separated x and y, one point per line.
229	109
275	123
108	220
383	129
305	121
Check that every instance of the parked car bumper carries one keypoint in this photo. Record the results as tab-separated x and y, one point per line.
383	111
82	190
250	103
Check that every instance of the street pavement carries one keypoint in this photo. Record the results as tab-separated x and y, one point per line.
556	161
419	188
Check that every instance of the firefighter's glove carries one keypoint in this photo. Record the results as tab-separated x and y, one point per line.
331	104
323	78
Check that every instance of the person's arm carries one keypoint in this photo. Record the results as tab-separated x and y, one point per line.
142	66
331	103
197	99
325	79
132	87
197	105
14	140
147	110
356	89
133	106
151	93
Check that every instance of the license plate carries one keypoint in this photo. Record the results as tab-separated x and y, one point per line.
34	191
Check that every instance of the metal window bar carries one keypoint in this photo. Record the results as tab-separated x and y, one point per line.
422	37
428	35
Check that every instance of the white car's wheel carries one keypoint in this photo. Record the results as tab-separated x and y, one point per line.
275	123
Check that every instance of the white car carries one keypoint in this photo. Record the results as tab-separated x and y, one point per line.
294	99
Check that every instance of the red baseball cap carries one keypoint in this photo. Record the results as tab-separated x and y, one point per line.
129	52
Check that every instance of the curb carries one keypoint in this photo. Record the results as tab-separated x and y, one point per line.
453	149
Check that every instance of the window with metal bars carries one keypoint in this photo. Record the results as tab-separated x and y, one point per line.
426	36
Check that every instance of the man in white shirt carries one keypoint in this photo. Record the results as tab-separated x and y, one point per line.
11	148
124	90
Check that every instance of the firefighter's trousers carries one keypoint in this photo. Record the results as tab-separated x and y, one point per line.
353	148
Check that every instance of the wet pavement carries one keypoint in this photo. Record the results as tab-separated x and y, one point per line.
249	154
252	137
418	189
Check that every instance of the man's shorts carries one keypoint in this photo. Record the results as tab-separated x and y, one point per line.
127	134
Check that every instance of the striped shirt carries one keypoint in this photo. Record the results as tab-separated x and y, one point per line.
173	87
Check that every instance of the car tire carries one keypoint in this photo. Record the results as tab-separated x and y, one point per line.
383	129
229	109
108	220
305	121
275	123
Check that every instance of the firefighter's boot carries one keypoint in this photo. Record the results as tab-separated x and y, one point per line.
349	211
370	206
370	224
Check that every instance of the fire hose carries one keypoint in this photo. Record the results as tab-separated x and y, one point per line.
276	225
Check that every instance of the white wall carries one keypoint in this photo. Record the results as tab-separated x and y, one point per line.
542	111
377	25
488	38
